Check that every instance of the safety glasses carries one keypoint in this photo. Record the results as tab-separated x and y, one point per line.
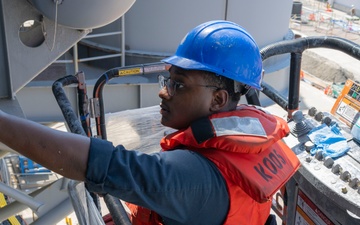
172	85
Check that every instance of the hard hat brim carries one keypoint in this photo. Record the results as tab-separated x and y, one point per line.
185	63
189	64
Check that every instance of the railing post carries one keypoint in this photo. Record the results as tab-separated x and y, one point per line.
122	41
75	58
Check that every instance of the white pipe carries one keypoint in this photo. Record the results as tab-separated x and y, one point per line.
20	196
102	34
56	214
11	209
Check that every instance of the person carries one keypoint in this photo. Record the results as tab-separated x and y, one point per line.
222	164
352	10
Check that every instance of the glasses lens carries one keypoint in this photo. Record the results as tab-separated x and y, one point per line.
170	85
166	82
161	80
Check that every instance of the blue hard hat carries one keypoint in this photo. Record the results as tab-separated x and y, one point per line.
221	47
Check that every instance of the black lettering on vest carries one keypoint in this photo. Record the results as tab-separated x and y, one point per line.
275	160
270	167
280	157
262	173
272	163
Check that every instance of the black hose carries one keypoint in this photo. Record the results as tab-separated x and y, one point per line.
64	103
116	210
296	48
301	44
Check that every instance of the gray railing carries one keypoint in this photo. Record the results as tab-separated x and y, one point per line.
121	53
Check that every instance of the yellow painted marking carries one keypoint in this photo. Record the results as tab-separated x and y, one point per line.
14	221
127	72
2	200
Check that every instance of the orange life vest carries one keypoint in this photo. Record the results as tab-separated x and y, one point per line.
246	147
143	216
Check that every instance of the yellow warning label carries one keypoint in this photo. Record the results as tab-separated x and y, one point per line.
347	105
132	71
2	200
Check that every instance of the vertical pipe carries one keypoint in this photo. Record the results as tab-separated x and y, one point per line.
123	41
75	58
140	96
290	200
226	9
294	82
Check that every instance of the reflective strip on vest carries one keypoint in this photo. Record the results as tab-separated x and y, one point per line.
235	125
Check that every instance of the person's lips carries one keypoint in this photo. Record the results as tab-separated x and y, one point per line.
164	108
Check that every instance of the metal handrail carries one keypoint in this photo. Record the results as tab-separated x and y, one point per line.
20	196
76	59
296	47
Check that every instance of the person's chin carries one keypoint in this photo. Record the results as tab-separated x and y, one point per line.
167	123
164	121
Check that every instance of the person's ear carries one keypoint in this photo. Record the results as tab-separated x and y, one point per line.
219	101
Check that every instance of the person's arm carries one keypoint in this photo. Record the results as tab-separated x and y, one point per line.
180	185
62	152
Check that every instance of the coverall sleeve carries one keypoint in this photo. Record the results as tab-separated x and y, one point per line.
180	185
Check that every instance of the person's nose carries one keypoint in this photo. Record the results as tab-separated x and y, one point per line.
164	94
